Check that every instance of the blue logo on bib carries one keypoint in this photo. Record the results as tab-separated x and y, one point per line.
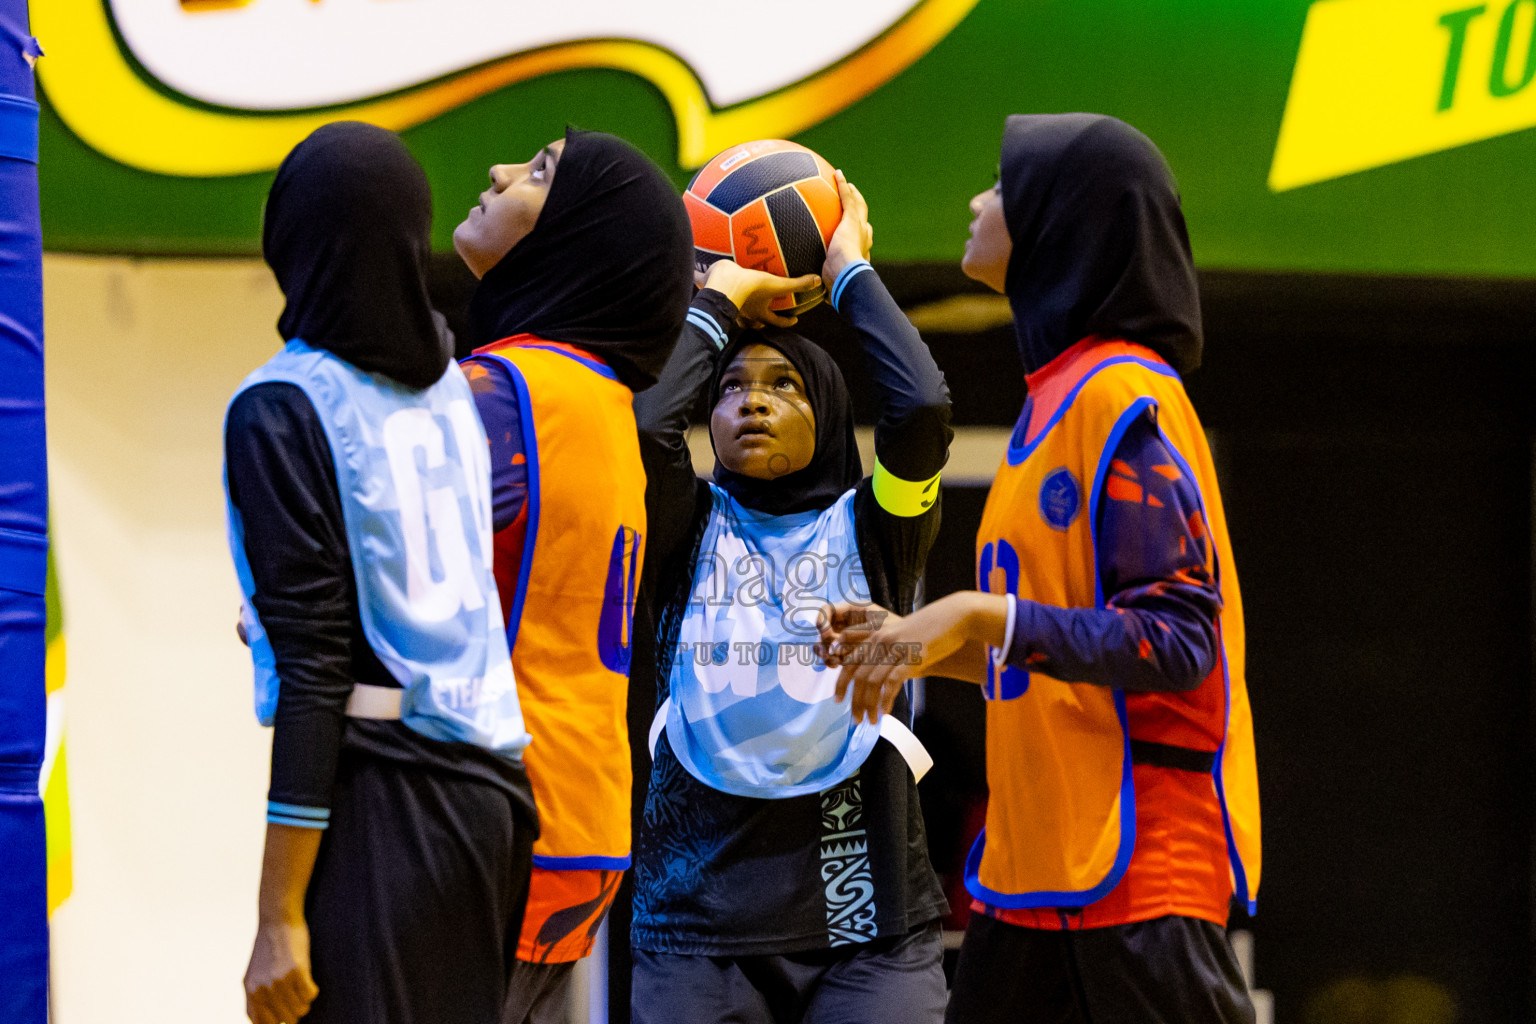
1061	499
618	615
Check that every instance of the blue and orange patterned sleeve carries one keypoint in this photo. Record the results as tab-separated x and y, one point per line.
496	402
1157	631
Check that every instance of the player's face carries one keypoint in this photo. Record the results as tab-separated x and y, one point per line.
763	425
507	210
989	247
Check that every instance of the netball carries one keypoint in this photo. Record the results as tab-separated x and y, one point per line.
769	205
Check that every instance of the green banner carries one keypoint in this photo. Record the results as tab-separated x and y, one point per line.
1378	136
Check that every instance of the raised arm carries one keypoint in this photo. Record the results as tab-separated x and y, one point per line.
729	294
912	434
661	411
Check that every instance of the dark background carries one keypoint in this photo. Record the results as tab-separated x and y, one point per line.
1374	440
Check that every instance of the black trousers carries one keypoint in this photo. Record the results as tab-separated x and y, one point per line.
539	993
1172	970
417	896
898	980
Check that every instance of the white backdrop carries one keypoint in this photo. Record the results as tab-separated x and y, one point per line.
167	767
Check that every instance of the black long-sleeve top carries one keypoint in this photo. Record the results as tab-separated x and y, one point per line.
282	480
719	874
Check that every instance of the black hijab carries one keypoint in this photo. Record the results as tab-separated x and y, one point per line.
835	465
608	265
347	230
1099	242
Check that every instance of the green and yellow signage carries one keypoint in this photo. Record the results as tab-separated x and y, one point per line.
1382	81
1387	136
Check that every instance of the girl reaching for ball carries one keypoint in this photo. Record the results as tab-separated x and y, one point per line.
781	868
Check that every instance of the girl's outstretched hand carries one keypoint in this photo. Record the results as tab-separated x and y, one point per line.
844	626
877	651
854	236
753	291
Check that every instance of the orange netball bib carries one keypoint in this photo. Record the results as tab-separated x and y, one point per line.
573	599
1061	820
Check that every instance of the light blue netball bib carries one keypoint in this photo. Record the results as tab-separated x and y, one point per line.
413	471
752	709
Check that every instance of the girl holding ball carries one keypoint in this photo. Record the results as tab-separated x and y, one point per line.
781	867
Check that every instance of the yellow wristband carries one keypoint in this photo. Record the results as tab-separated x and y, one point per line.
904	497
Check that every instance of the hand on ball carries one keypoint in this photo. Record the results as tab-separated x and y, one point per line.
754	291
854	236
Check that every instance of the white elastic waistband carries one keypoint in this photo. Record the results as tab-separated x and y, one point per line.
907	745
382	702
892	731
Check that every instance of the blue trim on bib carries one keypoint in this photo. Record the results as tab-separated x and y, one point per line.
1234	857
1017	455
1127	781
593	863
1105	458
596	367
531	453
1037	900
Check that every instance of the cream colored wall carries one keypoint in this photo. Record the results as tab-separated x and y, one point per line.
167	767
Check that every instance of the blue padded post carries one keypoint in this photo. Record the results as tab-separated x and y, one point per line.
23	537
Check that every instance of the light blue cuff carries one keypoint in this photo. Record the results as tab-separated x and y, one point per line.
706	323
298	815
847	274
277	819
